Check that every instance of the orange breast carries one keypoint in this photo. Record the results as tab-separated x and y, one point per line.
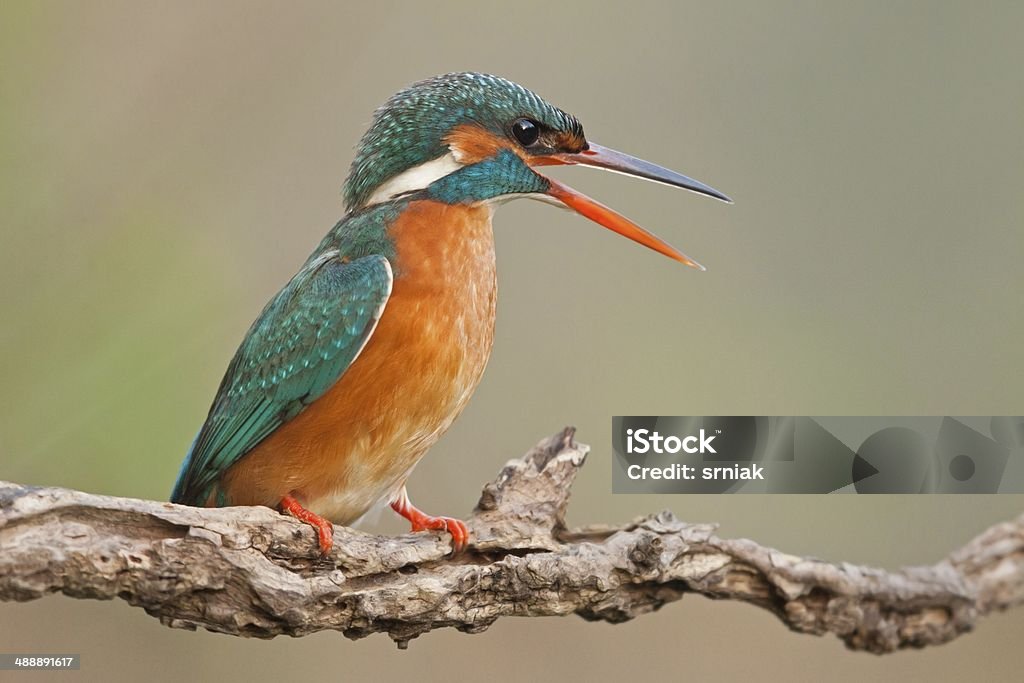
359	441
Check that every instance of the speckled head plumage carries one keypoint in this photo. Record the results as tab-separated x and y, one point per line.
470	137
410	128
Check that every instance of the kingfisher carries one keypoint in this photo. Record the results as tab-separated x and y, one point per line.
359	364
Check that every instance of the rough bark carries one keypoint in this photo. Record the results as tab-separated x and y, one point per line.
254	572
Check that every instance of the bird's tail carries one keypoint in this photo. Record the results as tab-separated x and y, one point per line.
178	494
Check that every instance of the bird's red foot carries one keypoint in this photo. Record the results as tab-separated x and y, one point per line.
424	522
324	529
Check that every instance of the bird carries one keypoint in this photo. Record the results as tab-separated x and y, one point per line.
359	364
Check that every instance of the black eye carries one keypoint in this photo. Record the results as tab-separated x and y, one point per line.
526	131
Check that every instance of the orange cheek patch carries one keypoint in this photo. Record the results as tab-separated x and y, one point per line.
570	142
472	144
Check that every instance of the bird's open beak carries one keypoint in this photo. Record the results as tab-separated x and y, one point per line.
610	160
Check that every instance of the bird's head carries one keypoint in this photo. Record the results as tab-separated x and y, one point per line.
470	138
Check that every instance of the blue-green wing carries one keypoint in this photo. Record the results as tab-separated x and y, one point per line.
303	341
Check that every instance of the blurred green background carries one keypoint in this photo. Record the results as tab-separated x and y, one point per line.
167	166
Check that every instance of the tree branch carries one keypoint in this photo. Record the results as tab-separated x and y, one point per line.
254	572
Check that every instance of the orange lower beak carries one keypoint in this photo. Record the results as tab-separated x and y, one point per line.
608	159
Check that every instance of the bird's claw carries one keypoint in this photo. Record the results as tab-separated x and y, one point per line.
324	529
456	527
424	522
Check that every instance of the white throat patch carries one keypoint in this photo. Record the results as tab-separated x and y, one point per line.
416	178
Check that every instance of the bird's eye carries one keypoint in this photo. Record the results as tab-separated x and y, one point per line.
526	131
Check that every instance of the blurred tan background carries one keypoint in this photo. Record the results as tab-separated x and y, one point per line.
167	166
